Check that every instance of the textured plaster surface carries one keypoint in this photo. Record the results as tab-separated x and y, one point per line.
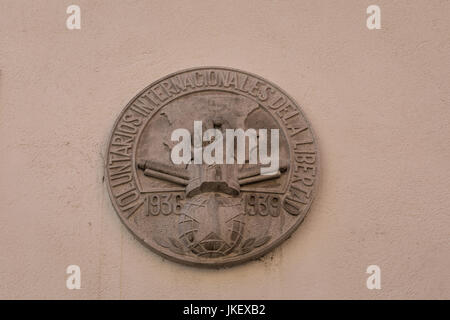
379	102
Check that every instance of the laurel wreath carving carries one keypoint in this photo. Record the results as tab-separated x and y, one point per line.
177	247
173	244
252	243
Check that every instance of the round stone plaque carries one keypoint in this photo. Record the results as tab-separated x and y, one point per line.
212	166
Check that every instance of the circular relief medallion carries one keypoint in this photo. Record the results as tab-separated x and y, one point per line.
212	166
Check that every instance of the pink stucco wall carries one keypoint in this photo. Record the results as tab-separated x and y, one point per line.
379	103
